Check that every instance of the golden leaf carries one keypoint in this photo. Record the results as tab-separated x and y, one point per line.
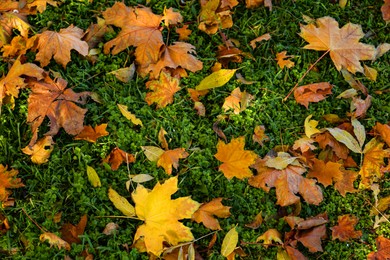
41	150
121	203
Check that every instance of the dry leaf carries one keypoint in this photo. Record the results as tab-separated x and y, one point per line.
312	93
304	144
345	230
153	153
126	113
386	10
95	33
384	132
235	159
284	60
163	90
264	37
161	216
90	134
205	214
121	203
171	158
383	249
161	138
311	127
93	177
124	74
211	17
255	3
238	101
110	229
54	240
370	73
269	237
171	17
71	233
259	135
183	33
256	223
326	139
8	181
117	157
40	151
229	242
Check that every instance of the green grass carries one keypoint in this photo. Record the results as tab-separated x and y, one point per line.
61	185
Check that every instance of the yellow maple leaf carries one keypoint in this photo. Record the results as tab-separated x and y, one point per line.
163	90
41	150
161	216
236	160
342	44
171	158
238	101
8	181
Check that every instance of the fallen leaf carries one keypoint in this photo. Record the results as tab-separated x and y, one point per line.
170	158
40	151
360	106
121	203
195	94
95	33
183	33
346	138
235	160
54	240
311	127
163	90
304	144
200	108
153	153
384	132
110	229
40	5
10	21
91	134
326	139
238	101
264	37
312	93
386	10
370	73
269	237
325	173
70	233
124	74
218	130
142	177
8	181
284	60
126	113
171	17
206	212
229	242
58	45
345	230
18	46
354	83
343	44
161	138
117	157
93	177
383	249
256	223
161	216
259	135
216	79
211	17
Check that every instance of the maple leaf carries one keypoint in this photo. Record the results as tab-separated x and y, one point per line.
255	3
325	173
235	159
212	17
326	139
183	33
206	212
51	98
345	230
140	28
284	60
304	144
285	174
384	132
343	44
312	93
117	157
59	44
40	5
259	135
171	17
163	90
91	134
360	106
161	216
383	249
373	160
18	46
238	101
10	21
40	151
70	233
171	158
264	37
386	10
8	181
270	236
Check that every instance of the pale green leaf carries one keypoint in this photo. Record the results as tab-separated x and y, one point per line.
153	153
140	178
359	131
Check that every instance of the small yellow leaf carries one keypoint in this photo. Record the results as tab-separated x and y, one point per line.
93	177
370	73
153	153
54	240
229	243
343	3
216	79
121	203
129	115
41	150
311	126
140	178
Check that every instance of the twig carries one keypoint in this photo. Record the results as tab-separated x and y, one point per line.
33	221
304	75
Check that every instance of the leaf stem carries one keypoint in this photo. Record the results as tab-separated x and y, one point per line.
304	75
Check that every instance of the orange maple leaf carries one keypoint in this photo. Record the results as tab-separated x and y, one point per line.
51	98
205	214
40	5
183	33
235	159
238	101
59	44
213	16
117	157
343	44
345	230
170	159
284	60
40	151
161	216
304	144
8	181
259	135
312	93
70	233
285	174
386	10
90	134
384	132
10	21
163	90
256	3
383	249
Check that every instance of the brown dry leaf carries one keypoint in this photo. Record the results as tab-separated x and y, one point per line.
345	230
360	106
95	33
161	138
228	52
343	44
183	33
171	158
195	94
259	135
264	37
54	240
384	132
41	150
374	156
171	17
235	159
39	5
124	74
256	223
91	134
237	101
70	233
51	98
8	181
163	90
212	17
255	3
383	249
110	229
206	212
161	216
117	157
312	93
285	174
18	46
284	60
10	21
326	139
386	10
58	45
304	144
218	130
270	237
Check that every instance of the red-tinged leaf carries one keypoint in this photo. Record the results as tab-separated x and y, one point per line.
271	236
70	233
8	181
171	158
345	230
163	90
54	240
206	212
384	132
383	249
326	139
117	157
91	134
264	37
295	254
385	9
360	106
312	238
312	93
